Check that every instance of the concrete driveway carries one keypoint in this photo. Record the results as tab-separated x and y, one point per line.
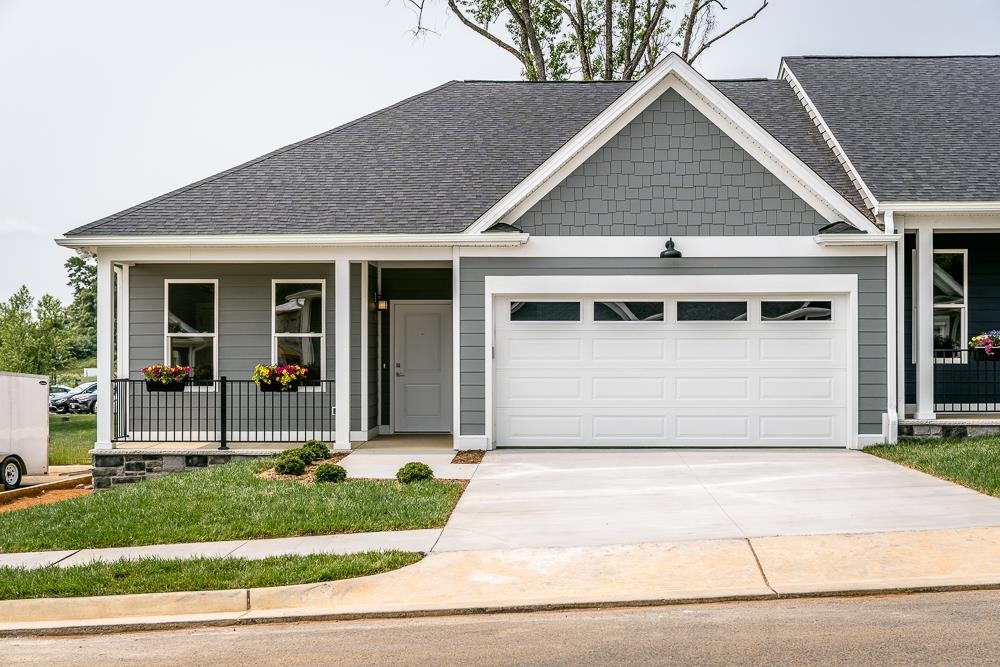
537	498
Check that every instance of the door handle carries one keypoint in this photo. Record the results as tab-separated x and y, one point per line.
400	374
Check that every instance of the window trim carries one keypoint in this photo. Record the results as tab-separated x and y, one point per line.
167	282
963	308
321	335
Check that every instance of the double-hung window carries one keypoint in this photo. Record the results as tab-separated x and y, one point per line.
299	324
191	326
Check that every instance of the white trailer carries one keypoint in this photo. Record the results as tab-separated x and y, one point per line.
24	427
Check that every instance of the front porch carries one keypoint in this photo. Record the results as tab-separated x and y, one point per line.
947	292
376	336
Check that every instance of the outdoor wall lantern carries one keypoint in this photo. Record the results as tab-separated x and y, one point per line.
381	303
669	251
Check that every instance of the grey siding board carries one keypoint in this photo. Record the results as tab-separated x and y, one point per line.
871	305
671	171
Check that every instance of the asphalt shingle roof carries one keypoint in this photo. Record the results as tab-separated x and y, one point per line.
916	129
429	164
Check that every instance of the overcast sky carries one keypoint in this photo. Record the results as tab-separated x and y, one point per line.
104	104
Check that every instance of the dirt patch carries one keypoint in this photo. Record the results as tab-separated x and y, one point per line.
306	477
44	498
469	456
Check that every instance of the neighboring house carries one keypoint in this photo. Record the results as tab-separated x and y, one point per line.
514	231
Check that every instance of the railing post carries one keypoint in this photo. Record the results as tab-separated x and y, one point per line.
222	413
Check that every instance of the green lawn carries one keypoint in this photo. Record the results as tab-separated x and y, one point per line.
972	462
70	438
202	574
226	502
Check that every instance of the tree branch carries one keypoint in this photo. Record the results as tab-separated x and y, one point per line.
609	52
647	34
724	33
485	33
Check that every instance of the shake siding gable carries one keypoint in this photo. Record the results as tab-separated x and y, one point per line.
671	172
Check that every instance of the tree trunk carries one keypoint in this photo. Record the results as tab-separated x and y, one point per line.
609	49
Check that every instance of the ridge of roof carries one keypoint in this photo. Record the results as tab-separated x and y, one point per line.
90	226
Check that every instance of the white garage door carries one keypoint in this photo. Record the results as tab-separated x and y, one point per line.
671	371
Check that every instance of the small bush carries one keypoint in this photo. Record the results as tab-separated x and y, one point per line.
319	449
300	453
289	465
414	471
329	472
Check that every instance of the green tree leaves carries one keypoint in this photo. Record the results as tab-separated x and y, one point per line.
34	338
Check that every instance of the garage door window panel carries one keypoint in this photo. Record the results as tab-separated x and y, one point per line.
628	311
545	311
800	310
712	311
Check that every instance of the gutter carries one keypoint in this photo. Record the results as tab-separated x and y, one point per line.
495	240
835	240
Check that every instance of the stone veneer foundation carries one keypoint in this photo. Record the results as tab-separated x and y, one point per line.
938	429
117	467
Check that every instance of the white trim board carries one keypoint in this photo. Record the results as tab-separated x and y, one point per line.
690	246
278	240
812	284
673	73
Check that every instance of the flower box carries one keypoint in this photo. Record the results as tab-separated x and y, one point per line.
980	354
156	385
275	387
279	378
985	346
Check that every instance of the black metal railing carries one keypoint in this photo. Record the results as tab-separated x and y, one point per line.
966	380
223	411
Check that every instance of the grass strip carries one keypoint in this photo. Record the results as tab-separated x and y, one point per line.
226	502
971	462
70	438
151	575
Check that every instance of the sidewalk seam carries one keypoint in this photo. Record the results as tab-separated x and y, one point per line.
760	568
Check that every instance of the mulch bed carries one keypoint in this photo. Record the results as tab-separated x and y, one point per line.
469	456
306	477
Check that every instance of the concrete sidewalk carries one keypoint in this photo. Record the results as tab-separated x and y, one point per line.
404	540
526	579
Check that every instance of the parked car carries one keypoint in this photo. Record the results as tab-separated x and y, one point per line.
56	389
84	402
60	402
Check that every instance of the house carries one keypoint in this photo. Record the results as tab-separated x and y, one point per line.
667	262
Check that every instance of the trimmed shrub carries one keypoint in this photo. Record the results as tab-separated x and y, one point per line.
319	449
329	472
414	471
300	453
289	465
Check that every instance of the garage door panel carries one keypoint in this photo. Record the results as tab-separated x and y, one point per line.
665	383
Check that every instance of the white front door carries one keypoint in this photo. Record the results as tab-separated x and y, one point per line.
421	367
659	370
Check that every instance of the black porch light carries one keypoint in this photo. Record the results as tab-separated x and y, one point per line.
669	251
381	303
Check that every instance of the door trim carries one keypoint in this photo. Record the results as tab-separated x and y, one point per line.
392	354
671	285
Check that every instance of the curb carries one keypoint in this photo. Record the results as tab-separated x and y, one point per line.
298	615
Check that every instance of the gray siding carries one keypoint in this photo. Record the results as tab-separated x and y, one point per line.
244	335
871	312
671	172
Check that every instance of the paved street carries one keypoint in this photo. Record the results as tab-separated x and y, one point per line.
927	629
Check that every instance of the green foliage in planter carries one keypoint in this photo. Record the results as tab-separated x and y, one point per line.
414	471
329	472
289	465
319	449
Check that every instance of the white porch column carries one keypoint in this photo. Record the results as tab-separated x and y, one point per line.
925	322
342	343
105	351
